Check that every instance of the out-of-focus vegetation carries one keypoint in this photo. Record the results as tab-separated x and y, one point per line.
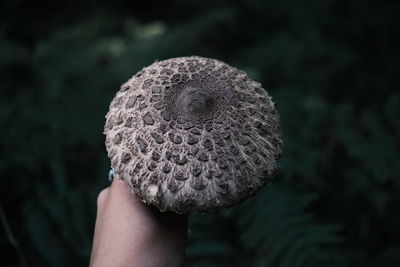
332	67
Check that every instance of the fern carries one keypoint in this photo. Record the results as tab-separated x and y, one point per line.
272	229
61	225
366	141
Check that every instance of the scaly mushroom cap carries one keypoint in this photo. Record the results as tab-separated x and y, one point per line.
192	134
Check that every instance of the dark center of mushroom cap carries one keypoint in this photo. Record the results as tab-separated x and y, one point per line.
195	101
198	100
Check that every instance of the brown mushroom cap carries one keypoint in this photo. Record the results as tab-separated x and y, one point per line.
192	134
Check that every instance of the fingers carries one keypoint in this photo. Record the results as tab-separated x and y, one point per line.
102	198
120	186
119	198
120	193
117	186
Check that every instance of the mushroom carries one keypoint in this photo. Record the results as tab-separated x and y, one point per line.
193	134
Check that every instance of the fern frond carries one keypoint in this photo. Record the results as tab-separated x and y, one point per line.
272	229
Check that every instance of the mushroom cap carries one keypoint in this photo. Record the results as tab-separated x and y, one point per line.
192	134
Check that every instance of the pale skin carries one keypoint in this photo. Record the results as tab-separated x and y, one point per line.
131	233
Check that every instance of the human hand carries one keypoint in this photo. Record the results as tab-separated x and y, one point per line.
131	233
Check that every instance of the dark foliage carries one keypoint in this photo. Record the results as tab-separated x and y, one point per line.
332	67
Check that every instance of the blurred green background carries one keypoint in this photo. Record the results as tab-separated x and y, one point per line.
332	67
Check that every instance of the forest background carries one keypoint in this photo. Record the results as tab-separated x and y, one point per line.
332	67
